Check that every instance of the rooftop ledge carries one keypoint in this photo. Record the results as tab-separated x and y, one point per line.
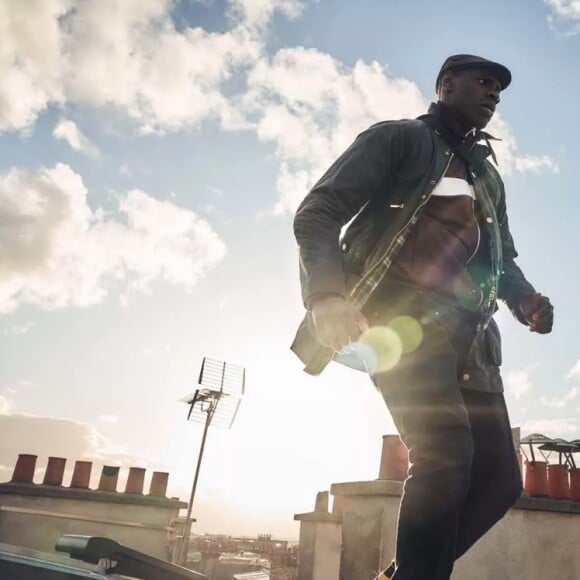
56	491
384	487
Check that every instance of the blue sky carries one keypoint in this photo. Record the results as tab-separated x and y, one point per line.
151	156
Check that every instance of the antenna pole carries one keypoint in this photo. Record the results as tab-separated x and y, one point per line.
187	524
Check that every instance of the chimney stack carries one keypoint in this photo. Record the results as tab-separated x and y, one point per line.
54	471
135	480
109	477
24	468
321	502
159	481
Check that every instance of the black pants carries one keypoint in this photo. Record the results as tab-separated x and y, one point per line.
464	473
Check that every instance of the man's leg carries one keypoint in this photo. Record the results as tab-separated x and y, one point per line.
423	395
496	481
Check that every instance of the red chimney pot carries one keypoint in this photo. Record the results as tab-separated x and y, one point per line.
54	471
158	485
24	468
109	477
81	476
135	480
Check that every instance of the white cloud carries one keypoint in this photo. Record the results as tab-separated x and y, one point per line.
551	427
560	403
5	406
128	56
509	156
69	132
111	419
565	13
55	251
310	107
257	13
574	372
31	59
517	383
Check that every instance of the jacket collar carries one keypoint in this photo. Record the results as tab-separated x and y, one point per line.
470	138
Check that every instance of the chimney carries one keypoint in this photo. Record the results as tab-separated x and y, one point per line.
24	468
81	476
159	481
394	459
109	477
54	471
321	502
135	480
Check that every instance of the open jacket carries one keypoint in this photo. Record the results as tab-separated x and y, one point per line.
383	181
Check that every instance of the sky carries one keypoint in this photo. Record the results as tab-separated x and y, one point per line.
152	153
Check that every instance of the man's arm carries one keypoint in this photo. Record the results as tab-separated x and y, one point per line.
363	171
527	305
360	173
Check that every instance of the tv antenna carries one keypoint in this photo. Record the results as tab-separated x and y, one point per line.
215	402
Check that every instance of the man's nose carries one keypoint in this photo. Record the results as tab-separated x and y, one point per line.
494	94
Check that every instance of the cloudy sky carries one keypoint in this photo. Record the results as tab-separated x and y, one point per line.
152	155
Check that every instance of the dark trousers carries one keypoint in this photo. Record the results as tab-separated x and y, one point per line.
464	473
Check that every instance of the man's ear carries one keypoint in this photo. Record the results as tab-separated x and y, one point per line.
446	85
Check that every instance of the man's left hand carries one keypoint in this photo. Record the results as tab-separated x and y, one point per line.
538	312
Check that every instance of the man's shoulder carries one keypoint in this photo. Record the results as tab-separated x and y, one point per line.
407	126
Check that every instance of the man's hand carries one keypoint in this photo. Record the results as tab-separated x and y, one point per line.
538	312
336	321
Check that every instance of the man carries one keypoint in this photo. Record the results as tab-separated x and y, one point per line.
415	279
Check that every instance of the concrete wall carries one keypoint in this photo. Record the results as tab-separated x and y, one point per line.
538	538
37	521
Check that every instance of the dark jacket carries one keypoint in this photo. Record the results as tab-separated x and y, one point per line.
383	180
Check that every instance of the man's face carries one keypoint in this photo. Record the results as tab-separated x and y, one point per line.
474	93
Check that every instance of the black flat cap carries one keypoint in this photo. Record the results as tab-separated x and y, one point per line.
466	61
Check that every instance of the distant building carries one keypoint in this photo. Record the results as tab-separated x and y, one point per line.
229	558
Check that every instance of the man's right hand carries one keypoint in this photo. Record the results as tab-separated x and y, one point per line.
337	322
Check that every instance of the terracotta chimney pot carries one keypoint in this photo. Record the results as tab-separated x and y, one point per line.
158	485
54	471
135	480
394	459
109	477
24	468
81	476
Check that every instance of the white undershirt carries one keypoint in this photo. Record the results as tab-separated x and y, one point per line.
452	187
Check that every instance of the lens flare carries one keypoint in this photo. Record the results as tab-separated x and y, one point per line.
386	345
409	332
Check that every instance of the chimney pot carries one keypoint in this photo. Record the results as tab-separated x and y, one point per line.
81	476
54	471
136	480
24	468
158	485
394	459
109	477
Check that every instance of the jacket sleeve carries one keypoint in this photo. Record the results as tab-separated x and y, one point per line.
513	285
360	173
